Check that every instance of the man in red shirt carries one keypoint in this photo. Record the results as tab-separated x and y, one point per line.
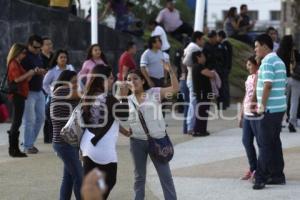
126	61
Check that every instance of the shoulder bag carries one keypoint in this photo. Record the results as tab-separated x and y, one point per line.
159	149
72	132
8	87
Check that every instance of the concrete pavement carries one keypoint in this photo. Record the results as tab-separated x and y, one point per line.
203	168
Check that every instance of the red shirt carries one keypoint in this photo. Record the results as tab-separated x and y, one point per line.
127	60
16	70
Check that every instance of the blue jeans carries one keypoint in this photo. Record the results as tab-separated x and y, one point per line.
248	141
191	116
184	90
73	171
34	117
139	152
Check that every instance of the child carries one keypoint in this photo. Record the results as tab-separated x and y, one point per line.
202	91
246	118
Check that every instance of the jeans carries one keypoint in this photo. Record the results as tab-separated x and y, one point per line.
295	96
270	158
110	171
33	118
248	142
48	134
139	151
191	116
185	92
73	171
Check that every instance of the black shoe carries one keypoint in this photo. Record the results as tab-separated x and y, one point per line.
276	181
201	134
16	153
259	186
292	128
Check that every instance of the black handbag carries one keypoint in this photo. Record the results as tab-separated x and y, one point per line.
160	149
8	87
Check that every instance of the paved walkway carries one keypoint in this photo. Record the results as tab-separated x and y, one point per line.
203	168
210	168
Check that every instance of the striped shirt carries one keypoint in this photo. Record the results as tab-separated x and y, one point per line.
272	70
60	111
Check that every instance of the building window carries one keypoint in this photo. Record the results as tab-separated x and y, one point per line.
253	14
275	15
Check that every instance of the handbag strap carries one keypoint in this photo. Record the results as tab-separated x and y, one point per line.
142	120
3	82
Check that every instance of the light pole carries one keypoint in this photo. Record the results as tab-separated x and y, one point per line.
199	15
94	21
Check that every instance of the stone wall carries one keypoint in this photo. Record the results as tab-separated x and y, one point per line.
19	19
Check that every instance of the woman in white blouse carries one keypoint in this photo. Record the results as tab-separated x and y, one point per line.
149	103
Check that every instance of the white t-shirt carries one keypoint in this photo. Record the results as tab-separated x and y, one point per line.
152	113
105	150
187	57
159	31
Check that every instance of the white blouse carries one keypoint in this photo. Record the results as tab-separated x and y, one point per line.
151	109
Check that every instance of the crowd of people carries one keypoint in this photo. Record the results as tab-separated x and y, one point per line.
45	88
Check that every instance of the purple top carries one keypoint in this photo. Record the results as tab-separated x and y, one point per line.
119	7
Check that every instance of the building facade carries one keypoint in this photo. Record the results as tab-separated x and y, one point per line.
265	12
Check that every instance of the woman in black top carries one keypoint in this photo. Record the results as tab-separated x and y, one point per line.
203	92
65	98
290	56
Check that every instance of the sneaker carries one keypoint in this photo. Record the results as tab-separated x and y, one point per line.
36	149
201	134
247	176
292	128
259	186
31	150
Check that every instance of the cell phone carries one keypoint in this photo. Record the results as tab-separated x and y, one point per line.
101	184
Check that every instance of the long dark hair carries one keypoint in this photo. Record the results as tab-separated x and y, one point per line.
195	56
139	73
231	12
95	85
90	53
285	49
65	76
53	61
